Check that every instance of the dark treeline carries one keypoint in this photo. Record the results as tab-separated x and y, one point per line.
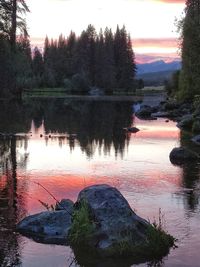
103	60
78	63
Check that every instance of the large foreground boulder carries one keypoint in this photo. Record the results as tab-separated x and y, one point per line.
101	222
113	228
50	227
115	220
181	155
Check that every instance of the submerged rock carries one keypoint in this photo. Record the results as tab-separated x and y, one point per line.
181	155
50	227
132	129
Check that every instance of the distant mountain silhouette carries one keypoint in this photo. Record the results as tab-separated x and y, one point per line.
158	66
156	78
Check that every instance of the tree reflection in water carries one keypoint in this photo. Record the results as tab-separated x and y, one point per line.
97	124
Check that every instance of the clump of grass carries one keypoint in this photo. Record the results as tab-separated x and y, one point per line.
157	243
83	226
47	206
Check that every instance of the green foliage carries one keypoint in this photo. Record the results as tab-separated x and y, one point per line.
172	86
80	83
6	70
12	19
196	127
157	244
82	227
103	60
190	74
67	84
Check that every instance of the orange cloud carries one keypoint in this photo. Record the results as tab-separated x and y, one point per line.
171	1
155	42
150	49
148	58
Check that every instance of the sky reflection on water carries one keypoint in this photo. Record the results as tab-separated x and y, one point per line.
137	164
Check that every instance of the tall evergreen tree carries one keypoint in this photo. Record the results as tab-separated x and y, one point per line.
38	64
6	70
18	8
109	62
22	62
5	19
99	60
190	30
124	59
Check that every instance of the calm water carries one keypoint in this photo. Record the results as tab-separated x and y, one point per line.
138	165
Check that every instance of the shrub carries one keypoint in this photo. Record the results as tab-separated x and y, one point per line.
82	227
80	84
67	85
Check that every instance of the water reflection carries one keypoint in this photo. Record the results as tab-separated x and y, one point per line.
191	175
100	152
9	247
97	125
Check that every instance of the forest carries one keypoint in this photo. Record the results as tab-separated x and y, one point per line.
103	60
77	63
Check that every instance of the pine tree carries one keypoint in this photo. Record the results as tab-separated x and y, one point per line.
124	60
6	70
5	20
109	62
38	64
99	60
190	30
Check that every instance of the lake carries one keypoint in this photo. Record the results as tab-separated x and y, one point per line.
102	152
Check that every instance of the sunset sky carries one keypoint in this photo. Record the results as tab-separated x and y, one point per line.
150	22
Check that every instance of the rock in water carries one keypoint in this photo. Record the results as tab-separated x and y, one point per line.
50	227
131	129
65	204
196	139
181	155
102	223
115	220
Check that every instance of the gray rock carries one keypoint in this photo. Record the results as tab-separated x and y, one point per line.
49	227
171	105
95	91
145	112
131	129
196	139
181	155
116	222
160	114
65	204
186	122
